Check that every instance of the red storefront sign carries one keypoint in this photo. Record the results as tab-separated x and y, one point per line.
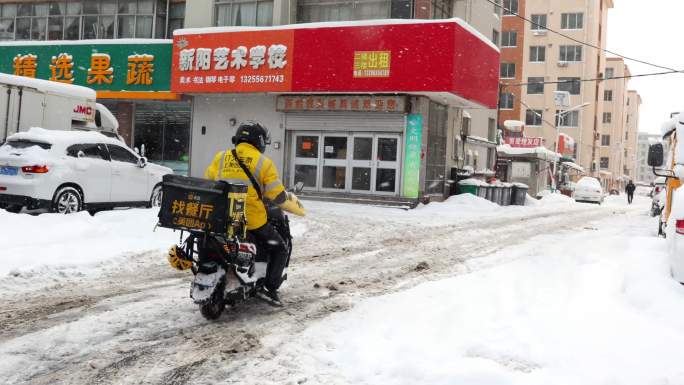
397	57
523	142
360	103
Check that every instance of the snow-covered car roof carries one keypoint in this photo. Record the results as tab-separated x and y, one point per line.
588	180
48	86
64	138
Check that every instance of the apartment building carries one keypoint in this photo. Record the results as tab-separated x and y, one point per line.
118	48
549	57
464	140
632	119
614	149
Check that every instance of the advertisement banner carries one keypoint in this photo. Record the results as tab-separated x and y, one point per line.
414	140
121	70
431	56
523	142
234	62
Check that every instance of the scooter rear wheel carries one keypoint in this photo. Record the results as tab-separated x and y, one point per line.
213	308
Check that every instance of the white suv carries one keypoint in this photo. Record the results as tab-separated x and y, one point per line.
69	171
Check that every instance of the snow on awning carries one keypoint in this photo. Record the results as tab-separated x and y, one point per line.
538	152
574	166
442	59
480	141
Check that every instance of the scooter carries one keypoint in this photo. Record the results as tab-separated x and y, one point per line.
229	266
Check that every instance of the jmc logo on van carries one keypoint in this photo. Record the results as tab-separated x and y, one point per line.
83	112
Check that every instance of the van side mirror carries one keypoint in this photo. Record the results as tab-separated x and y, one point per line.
80	154
655	155
142	162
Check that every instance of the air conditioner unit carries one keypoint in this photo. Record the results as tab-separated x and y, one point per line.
562	64
539	32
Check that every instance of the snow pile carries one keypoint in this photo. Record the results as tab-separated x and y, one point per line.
39	134
463	204
65	241
562	314
556	198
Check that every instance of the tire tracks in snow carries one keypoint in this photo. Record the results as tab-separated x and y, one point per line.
357	264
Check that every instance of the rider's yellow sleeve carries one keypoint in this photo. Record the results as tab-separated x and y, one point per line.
212	172
272	186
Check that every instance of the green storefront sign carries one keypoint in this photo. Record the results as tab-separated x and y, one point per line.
414	140
113	68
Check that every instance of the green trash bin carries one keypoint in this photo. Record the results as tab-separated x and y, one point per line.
469	186
506	196
519	194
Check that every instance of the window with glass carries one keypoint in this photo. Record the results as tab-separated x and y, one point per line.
570	53
491	129
243	12
509	39
533	117
604	162
176	18
507	70
538	22
567	119
608	95
572	21
535	85
510	7
507	100
83	19
605	140
537	54
607	117
610	73
572	85
441	9
309	11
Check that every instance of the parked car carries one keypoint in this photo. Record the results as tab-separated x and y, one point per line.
589	189
70	171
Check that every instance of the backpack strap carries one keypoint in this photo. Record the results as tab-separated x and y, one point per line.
253	180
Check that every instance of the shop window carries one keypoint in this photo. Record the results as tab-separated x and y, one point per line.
571	85
436	151
162	132
535	85
240	12
307	147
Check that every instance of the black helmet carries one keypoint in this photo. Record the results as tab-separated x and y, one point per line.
254	134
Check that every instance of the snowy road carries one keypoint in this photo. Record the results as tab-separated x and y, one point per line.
127	320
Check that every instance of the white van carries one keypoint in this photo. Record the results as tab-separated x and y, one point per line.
27	102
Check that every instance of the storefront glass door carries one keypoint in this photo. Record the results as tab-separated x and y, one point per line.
357	163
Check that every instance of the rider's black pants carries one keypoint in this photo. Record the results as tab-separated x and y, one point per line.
268	237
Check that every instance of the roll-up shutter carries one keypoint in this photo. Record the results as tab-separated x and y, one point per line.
366	122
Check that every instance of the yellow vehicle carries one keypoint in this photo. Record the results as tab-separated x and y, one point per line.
672	216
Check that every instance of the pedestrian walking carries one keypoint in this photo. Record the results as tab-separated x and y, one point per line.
629	189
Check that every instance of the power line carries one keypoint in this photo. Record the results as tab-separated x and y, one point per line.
510	12
590	80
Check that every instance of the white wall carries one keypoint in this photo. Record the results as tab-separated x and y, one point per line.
214	113
199	13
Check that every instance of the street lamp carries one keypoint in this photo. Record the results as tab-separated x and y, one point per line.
561	98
